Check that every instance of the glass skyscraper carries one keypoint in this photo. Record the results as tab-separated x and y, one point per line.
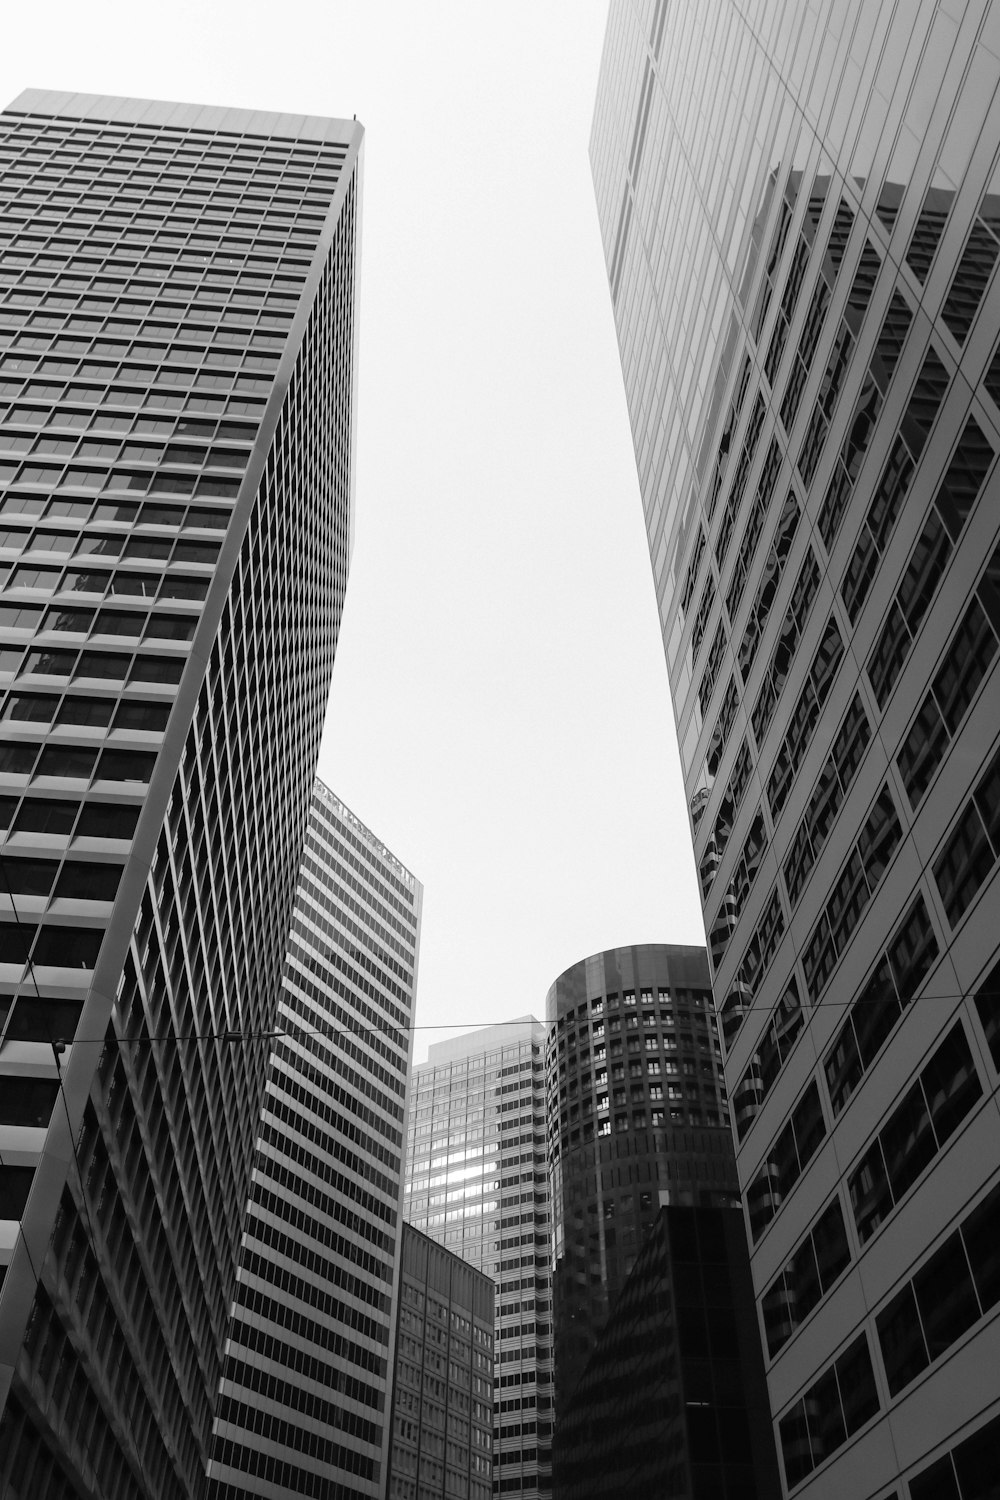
477	1181
177	306
801	225
307	1379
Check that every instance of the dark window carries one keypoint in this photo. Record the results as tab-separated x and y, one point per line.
946	1297
40	815
125	765
57	760
88	882
981	1234
37	1019
95	712
27	1101
15	1185
103	820
68	947
988	1007
28	877
904	1352
970	280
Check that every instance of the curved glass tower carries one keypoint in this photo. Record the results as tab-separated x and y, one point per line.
637	1118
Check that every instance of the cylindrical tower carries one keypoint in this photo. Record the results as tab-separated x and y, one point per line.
637	1117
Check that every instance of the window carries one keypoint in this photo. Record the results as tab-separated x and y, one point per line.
796	1145
832	1410
973	846
806	1278
949	1294
968	1472
856	884
926	1117
27	1101
775	1046
828	796
757	957
804	717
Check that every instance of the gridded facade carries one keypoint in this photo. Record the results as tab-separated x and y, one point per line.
673	1399
442	1397
476	1181
304	1397
178	311
801	222
637	1116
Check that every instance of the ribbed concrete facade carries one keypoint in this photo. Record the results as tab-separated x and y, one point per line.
177	301
801	226
304	1401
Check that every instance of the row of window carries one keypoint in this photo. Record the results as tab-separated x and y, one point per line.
956	1287
852	891
894	483
973	846
931	553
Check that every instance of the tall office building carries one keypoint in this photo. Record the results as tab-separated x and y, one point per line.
637	1118
673	1399
177	298
307	1379
442	1391
476	1181
800	220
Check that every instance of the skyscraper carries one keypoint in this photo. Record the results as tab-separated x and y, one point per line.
637	1118
800	221
442	1392
177	295
673	1400
476	1181
306	1384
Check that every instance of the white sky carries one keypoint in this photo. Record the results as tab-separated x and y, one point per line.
500	714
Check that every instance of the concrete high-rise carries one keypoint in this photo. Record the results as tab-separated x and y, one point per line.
801	225
442	1391
177	298
637	1118
306	1384
477	1181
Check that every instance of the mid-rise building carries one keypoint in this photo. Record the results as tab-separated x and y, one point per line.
442	1396
477	1182
673	1399
801	224
177	311
637	1117
304	1402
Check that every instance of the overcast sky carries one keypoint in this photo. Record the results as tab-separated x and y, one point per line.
500	715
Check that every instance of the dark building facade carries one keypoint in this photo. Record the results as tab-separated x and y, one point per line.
637	1115
673	1399
442	1394
476	1181
177	304
304	1400
801	225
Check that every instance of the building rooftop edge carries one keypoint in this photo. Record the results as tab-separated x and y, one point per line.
483	1039
116	109
340	808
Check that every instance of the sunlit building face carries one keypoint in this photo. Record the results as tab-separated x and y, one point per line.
801	223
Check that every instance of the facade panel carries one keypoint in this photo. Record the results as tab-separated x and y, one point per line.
799	217
177	389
